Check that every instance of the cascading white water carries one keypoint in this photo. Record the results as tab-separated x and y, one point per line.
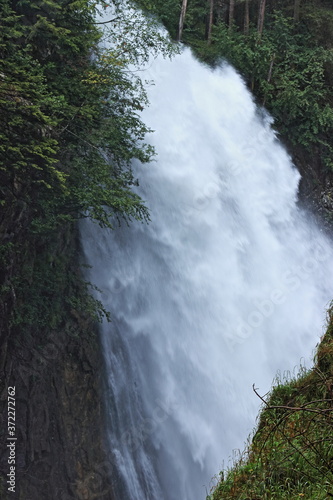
226	285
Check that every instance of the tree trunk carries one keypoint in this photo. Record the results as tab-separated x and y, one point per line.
220	9
261	16
246	18
269	76
231	13
271	69
297	5
209	21
181	20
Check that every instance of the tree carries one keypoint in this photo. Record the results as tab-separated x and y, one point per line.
209	23
231	13
246	17
297	4
261	16
182	19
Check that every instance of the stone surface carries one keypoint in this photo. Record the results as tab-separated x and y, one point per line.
57	374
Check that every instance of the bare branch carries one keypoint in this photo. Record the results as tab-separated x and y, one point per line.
110	21
257	393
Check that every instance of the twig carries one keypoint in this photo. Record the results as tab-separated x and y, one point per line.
110	21
299	408
257	393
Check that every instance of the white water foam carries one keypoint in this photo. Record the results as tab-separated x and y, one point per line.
226	285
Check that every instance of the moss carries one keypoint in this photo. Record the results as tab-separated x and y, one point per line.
325	349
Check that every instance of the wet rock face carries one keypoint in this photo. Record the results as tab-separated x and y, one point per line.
326	196
59	425
316	186
59	420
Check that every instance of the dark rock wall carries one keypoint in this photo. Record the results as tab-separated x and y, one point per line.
57	373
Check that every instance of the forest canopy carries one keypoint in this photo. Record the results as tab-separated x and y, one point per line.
70	109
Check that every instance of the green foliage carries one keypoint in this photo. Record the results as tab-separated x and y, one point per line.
167	11
286	71
46	293
70	108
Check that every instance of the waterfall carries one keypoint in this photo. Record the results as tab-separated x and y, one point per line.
225	286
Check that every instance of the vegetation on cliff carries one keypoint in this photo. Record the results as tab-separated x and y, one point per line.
70	128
